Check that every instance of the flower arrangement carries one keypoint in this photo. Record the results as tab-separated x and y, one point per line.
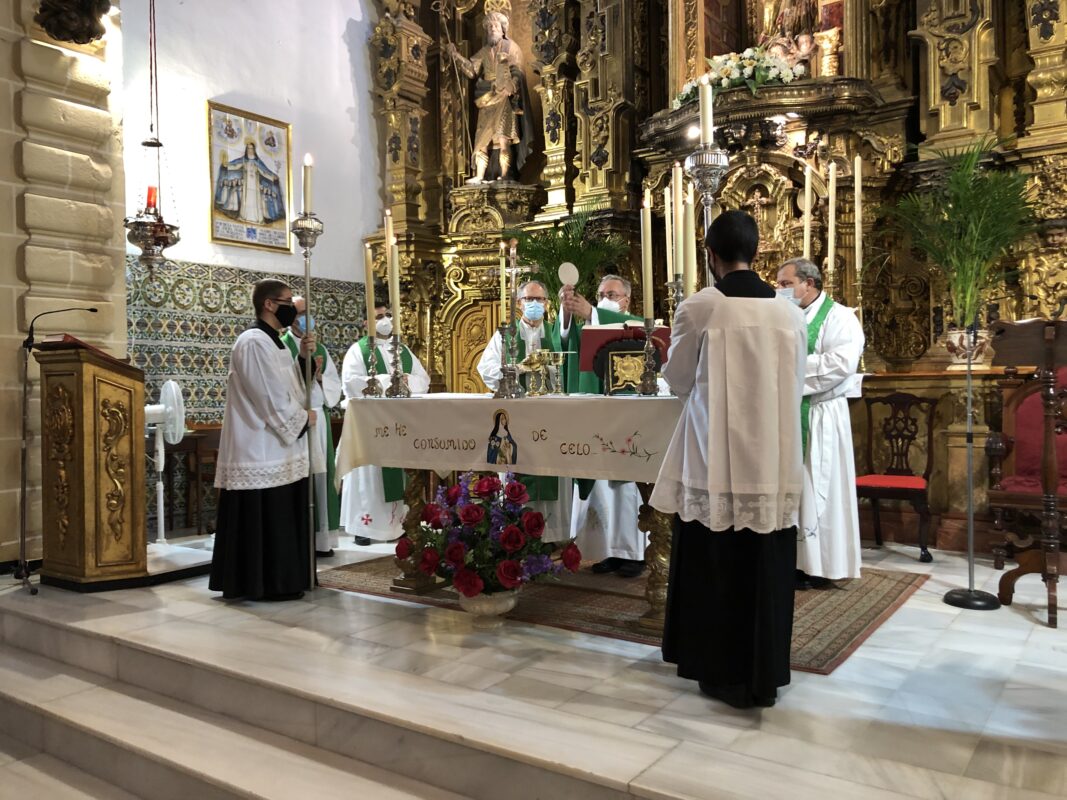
754	68
480	536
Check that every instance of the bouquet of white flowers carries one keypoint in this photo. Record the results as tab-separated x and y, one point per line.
754	67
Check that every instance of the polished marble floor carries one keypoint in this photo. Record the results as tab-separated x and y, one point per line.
937	703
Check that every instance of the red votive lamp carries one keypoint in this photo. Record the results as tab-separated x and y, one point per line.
153	198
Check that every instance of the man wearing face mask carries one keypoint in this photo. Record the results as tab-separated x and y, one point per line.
829	547
372	498
548	494
325	394
261	540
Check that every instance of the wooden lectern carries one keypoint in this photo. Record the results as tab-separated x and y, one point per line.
1044	342
92	467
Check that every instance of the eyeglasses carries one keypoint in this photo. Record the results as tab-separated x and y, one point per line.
612	295
541	300
284	301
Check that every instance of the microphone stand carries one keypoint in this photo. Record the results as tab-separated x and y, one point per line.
22	570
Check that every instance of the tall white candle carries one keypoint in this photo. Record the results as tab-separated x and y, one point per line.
668	226
707	111
308	162
394	284
690	226
831	220
368	289
807	212
388	234
503	283
678	221
646	255
857	174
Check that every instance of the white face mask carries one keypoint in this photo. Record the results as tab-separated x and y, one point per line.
789	294
609	305
384	327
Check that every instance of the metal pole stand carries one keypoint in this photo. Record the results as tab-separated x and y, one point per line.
22	571
398	385
706	166
649	386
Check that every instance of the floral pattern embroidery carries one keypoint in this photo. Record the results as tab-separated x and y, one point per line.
629	448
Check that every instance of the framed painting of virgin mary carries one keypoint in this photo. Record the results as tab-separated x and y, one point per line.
251	178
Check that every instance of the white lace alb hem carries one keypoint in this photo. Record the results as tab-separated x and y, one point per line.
260	476
761	513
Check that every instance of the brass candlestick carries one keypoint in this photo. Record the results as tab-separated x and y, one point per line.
649	385
398	383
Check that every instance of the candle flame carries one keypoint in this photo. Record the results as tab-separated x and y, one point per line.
308	160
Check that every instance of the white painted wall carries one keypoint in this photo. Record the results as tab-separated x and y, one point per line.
305	62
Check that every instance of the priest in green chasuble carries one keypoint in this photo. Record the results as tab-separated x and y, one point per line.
372	498
604	516
549	495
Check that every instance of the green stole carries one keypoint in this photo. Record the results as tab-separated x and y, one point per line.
539	487
813	336
392	477
577	380
333	502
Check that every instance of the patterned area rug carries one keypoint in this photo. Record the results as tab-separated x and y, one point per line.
828	624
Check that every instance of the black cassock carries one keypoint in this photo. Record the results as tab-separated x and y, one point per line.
729	620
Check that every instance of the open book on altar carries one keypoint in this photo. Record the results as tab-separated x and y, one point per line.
595	337
63	341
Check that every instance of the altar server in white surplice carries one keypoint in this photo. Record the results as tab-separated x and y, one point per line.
372	505
549	495
829	547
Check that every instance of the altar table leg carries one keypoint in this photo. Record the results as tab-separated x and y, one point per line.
413	581
657	559
1046	561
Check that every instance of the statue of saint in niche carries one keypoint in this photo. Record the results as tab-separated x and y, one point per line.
503	102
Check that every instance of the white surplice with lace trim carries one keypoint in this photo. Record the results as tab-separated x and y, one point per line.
735	458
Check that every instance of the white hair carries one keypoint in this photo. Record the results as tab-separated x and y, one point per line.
625	283
805	269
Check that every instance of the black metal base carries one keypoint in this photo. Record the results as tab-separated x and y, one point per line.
972	600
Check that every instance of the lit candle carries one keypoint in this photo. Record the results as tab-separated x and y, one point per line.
668	226
857	173
678	213
308	161
831	220
646	255
368	287
807	212
153	199
503	283
394	284
690	217
707	111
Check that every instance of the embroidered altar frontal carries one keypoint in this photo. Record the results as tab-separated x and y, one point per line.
612	438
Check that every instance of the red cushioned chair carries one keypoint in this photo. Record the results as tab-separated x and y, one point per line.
908	416
1015	461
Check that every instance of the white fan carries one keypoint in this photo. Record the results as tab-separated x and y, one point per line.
168	417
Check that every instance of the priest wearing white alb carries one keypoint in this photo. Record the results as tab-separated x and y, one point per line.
549	495
829	547
372	498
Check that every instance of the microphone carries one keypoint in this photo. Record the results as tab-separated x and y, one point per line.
28	341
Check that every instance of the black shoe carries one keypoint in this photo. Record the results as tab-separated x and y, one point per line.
324	553
820	583
606	566
631	569
801	581
362	541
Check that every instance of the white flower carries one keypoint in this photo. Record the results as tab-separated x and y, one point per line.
735	73
748	72
798	70
749	52
772	72
787	76
725	83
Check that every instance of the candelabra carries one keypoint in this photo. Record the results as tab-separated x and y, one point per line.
649	385
509	387
374	386
398	384
706	167
675	295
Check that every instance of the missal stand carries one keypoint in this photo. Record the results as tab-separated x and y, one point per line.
92	466
1043	342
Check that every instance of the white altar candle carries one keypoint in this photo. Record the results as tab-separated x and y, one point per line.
388	234
308	162
831	221
857	174
807	212
394	284
678	217
668	226
707	111
646	255
690	226
503	284
368	279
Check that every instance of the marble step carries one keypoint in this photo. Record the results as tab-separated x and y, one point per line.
157	747
443	734
28	774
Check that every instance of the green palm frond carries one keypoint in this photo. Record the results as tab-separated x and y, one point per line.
570	241
967	223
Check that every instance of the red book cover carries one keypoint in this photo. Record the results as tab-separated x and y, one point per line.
593	338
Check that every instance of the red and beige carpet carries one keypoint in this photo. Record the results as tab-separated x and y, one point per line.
828	624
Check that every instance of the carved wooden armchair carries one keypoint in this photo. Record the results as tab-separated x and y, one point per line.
909	417
1015	462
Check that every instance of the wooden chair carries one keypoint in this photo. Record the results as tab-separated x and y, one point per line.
908	417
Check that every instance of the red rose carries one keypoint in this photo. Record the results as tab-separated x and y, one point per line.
512	539
533	523
571	557
509	573
516	493
471	514
486	486
434	516
455	553
468	583
452	495
429	561
403	547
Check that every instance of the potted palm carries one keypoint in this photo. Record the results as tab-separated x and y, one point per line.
965	224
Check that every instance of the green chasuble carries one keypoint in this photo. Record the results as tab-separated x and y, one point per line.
392	477
814	327
577	381
539	487
333	502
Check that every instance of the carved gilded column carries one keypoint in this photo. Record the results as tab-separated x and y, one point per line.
555	45
1047	29
686	42
957	103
